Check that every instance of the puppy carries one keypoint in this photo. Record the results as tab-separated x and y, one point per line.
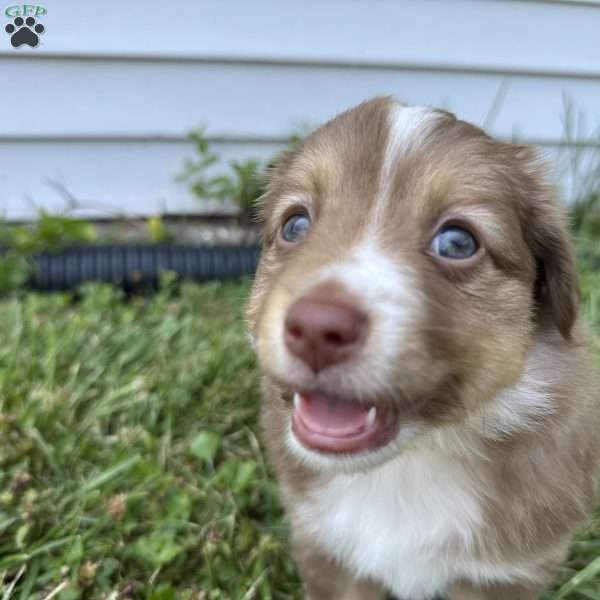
429	403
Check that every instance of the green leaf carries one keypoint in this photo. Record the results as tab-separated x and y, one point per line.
70	593
74	553
245	475
164	592
205	446
22	535
14	271
109	474
580	578
157	549
157	230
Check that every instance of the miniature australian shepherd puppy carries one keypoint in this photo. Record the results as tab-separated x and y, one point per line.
429	402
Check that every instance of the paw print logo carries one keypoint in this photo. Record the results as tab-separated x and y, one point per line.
24	32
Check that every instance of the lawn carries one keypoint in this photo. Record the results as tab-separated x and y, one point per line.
130	462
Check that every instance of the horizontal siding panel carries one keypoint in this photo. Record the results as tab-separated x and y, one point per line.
112	179
264	102
479	34
108	179
571	2
104	104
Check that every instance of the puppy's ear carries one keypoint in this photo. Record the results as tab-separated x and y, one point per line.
546	232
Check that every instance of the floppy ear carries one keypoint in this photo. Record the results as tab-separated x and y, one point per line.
546	232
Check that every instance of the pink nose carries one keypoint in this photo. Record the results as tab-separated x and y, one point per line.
323	333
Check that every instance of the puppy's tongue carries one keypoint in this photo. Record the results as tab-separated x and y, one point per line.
331	417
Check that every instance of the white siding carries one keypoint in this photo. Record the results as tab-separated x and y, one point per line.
104	104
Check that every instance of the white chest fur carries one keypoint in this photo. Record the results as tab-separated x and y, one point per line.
398	524
410	523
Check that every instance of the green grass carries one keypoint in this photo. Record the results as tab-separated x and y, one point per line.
129	457
130	464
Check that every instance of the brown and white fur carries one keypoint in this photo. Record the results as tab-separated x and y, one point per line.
484	363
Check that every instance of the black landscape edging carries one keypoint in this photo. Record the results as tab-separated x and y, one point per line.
139	266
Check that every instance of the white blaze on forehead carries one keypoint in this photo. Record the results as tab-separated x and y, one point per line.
408	127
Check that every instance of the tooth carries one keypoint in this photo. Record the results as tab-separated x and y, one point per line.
371	416
296	401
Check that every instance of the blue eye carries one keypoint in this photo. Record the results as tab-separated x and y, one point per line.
295	228
454	243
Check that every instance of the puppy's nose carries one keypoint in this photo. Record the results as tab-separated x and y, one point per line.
322	332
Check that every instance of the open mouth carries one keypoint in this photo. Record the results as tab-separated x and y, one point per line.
337	426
